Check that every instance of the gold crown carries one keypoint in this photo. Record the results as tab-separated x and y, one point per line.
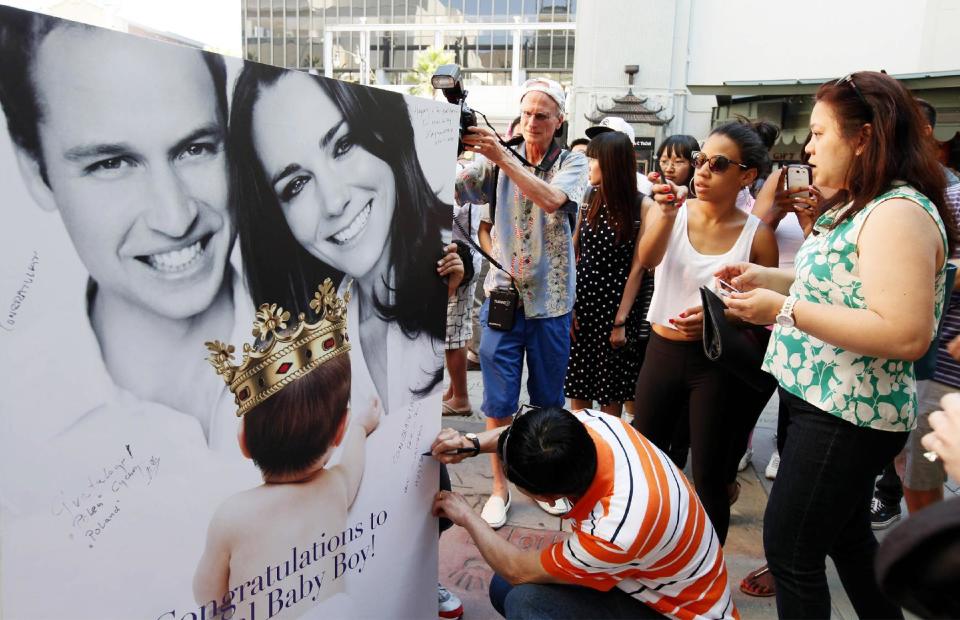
285	355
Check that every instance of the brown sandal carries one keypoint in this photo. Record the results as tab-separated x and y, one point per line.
759	583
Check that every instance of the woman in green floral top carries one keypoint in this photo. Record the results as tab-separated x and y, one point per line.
863	304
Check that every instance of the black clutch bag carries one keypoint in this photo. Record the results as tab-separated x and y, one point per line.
740	350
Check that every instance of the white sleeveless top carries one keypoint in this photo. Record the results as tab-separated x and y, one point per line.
683	270
789	239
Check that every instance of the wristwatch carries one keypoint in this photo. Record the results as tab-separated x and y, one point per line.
476	442
785	317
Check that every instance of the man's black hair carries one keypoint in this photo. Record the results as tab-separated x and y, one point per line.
21	33
548	451
579	141
929	112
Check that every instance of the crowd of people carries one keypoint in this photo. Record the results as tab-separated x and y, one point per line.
667	309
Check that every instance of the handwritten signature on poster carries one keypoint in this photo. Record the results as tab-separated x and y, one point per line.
91	510
408	446
9	322
438	127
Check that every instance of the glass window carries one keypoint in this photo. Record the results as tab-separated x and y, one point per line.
290	33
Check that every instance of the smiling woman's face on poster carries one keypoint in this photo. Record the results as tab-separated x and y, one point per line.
337	197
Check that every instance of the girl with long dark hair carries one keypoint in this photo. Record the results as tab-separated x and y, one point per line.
335	189
606	353
863	303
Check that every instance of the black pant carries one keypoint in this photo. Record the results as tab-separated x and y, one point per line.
445	523
820	506
744	404
677	377
889	488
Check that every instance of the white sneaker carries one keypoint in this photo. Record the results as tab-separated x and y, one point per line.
773	466
558	508
495	511
450	605
745	460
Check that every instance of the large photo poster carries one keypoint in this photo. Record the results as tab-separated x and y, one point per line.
221	334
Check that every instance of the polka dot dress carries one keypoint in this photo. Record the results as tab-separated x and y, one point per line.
597	371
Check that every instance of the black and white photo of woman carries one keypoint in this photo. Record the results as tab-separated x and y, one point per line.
327	184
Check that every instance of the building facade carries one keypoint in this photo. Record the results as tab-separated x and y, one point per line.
496	42
698	62
775	72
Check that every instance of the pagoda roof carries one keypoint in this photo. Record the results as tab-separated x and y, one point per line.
630	108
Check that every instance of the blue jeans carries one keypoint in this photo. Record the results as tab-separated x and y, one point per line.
534	601
820	506
546	343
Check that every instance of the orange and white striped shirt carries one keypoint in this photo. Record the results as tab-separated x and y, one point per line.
640	527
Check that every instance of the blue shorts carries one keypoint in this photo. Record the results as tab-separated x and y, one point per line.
546	343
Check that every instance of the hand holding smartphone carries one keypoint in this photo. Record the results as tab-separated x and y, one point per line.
797	176
724	288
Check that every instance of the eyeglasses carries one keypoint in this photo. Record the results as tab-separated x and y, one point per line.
717	163
848	79
502	450
538	116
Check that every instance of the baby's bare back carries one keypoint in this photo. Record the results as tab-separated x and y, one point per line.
284	545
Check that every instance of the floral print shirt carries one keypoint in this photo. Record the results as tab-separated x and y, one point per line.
536	247
866	391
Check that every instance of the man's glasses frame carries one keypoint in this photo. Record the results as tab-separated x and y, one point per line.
717	164
538	116
502	448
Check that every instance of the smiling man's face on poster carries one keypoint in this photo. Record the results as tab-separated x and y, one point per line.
135	165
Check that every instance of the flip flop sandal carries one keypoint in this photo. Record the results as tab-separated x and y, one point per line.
448	410
759	583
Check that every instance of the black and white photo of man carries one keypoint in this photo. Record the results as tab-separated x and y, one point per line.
116	423
129	151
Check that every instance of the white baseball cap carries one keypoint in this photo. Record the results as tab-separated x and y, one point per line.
548	87
612	123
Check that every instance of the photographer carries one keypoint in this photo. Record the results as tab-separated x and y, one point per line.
531	238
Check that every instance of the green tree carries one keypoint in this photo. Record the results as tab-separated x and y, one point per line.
426	65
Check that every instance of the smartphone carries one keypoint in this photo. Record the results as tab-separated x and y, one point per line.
798	175
725	288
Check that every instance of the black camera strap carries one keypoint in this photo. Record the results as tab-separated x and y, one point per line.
489	258
555	152
545	165
503	301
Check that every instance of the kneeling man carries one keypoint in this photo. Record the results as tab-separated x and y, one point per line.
642	544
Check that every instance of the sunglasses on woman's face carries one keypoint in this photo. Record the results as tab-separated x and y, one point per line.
717	163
